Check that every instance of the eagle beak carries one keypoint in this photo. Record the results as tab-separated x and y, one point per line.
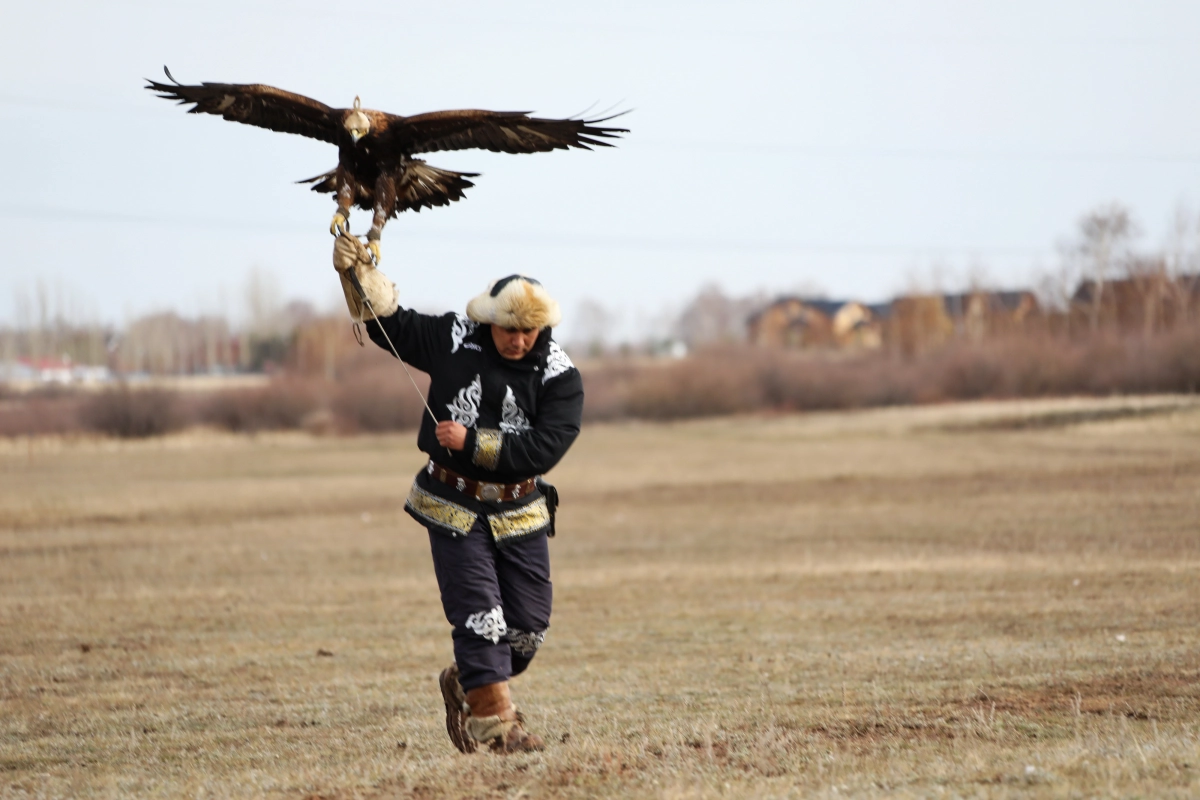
355	135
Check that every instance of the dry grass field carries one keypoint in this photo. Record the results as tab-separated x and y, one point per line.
983	600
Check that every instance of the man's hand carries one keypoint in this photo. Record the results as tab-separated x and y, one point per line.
349	253
452	435
350	257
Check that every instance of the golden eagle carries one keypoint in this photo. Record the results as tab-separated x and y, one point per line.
376	170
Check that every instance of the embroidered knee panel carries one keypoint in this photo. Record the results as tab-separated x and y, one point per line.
525	642
488	624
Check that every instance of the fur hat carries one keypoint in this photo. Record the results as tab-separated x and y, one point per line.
515	302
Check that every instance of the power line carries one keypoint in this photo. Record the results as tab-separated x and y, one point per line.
916	153
74	107
744	147
61	215
570	240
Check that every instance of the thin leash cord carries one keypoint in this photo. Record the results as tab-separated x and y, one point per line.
363	295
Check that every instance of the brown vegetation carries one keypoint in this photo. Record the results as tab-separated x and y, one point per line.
50	410
742	379
131	414
373	394
282	405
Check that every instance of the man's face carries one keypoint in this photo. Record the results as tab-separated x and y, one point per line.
514	343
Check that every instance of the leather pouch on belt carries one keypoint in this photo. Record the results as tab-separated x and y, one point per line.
551	495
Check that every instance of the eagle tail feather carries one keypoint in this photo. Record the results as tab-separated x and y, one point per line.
323	176
425	186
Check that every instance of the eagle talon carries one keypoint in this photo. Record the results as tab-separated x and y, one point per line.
373	246
340	225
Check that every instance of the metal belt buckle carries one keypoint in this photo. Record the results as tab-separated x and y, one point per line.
490	491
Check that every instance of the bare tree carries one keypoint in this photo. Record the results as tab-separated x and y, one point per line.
263	335
23	316
1148	276
1106	236
976	306
593	326
263	302
1182	263
713	317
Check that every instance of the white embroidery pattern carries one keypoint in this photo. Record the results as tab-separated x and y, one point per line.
489	624
465	408
557	362
512	418
525	642
459	330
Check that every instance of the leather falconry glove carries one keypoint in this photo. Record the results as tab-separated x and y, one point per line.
349	255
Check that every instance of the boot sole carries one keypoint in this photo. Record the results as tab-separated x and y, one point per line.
455	718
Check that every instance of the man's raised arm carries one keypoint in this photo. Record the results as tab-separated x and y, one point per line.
414	336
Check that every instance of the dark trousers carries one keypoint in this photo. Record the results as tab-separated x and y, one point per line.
497	599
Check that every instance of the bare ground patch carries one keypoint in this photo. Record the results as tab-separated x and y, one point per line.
857	605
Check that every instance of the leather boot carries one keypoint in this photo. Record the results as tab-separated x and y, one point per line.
456	710
495	720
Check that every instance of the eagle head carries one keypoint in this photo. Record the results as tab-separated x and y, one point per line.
357	123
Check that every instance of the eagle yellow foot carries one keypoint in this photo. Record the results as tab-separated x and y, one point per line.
340	225
373	246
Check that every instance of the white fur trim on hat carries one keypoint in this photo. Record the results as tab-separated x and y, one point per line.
515	302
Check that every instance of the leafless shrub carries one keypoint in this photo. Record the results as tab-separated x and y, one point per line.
968	374
813	384
743	379
131	413
1180	362
38	414
1033	369
1167	364
733	379
281	405
696	387
606	389
380	400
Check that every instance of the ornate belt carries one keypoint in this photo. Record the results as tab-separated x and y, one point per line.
480	490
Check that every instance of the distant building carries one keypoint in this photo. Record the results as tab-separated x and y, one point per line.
857	327
790	322
918	323
806	323
52	371
16	372
979	315
1148	302
90	374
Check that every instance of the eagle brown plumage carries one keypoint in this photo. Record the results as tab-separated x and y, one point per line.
376	168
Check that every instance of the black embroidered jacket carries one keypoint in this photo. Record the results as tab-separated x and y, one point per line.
521	417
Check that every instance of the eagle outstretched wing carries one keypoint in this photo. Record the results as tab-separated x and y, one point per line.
498	131
256	104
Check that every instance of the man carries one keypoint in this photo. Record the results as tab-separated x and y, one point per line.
508	402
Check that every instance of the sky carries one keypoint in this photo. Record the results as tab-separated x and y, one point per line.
858	148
